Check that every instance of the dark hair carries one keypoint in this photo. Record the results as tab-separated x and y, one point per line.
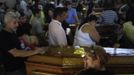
1	4
36	11
67	3
22	14
98	51
24	29
59	11
88	19
130	12
108	4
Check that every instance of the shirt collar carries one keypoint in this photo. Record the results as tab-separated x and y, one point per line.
58	22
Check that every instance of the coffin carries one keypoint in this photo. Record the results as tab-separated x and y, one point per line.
54	62
64	62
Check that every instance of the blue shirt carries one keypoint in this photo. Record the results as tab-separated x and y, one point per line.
71	16
108	17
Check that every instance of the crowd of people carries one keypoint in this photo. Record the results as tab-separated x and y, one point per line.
27	25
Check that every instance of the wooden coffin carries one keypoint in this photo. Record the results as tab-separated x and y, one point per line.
64	62
54	62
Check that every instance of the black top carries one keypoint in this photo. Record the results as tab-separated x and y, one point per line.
95	72
10	41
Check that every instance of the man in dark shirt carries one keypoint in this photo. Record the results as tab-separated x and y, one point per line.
10	47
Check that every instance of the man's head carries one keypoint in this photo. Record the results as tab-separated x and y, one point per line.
60	14
68	4
11	21
36	12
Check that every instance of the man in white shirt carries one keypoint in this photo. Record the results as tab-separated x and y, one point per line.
57	35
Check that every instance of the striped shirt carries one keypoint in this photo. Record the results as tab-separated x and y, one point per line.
108	17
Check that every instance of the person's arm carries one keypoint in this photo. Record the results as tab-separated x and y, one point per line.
76	18
23	53
116	17
92	32
100	20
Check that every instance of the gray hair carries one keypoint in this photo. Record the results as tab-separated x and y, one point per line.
9	16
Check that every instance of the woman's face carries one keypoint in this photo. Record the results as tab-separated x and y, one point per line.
89	62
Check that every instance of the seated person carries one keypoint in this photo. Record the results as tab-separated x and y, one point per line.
108	16
128	27
86	34
95	61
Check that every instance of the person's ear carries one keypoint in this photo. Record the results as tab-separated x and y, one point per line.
97	60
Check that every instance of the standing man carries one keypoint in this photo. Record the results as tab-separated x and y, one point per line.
72	14
72	21
11	49
57	36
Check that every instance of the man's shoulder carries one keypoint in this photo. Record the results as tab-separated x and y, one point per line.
2	32
128	25
3	35
55	22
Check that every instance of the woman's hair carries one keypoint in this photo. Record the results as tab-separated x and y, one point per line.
88	19
98	51
130	12
9	16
